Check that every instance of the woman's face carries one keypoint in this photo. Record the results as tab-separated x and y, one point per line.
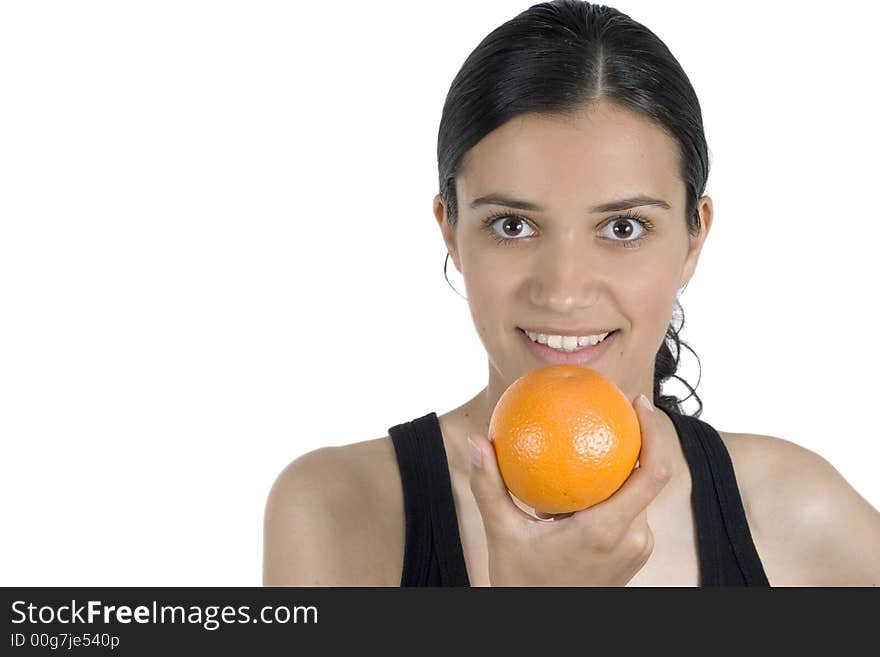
567	263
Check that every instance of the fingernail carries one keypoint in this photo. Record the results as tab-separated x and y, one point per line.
646	403
476	454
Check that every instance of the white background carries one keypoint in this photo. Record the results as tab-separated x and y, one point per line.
217	253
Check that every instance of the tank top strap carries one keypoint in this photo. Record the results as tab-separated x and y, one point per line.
433	554
728	556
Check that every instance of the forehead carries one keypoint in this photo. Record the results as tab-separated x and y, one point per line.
595	156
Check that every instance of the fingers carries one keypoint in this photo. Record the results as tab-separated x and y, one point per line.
644	483
493	499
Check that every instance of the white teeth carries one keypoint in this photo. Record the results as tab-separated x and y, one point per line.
570	342
567	343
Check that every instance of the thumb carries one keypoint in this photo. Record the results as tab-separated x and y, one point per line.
652	456
493	499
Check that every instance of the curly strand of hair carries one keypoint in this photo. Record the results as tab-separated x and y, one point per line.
665	367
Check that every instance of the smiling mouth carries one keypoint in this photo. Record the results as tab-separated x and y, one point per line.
567	346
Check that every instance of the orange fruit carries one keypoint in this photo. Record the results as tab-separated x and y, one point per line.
565	438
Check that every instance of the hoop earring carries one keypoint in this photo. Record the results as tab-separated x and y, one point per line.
445	262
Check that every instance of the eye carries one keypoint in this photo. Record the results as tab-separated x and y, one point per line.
511	227
622	229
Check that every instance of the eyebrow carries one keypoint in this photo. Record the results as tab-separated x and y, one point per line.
611	206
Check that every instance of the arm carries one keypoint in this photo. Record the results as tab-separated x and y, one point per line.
828	528
307	540
842	530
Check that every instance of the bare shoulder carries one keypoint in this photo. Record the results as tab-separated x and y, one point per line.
332	519
809	525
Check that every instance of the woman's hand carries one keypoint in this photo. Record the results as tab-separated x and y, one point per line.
604	545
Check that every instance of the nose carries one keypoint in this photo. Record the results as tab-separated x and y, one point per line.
565	278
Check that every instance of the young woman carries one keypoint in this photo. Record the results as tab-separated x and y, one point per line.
572	164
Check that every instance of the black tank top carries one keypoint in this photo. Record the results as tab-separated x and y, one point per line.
433	554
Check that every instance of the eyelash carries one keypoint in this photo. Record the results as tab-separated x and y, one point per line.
646	224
